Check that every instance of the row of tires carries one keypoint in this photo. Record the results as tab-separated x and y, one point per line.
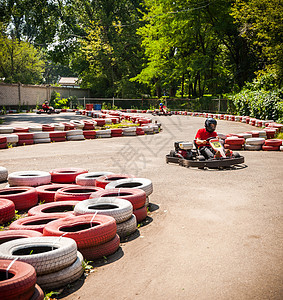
56	236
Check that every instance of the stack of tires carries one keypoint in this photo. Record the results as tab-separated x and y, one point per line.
75	135
148	129
272	145
35	128
3	142
234	143
47	127
6	130
118	208
41	137
25	138
78	124
89	134
95	235
116	132
57	136
58	126
129	131
254	144
12	139
3	174
103	133
55	259
19	281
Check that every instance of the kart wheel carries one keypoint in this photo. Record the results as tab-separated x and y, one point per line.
236	154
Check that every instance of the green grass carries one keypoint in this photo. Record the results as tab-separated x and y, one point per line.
279	136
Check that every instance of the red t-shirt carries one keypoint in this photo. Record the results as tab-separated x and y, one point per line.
202	134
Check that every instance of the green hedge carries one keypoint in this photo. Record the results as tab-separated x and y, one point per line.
260	104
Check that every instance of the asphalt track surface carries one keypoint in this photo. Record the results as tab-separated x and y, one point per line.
210	235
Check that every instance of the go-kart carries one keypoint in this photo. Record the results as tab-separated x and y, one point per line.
158	112
48	111
187	154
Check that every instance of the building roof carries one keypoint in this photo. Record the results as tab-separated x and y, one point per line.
69	81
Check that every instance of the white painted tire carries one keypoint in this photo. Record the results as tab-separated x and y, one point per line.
252	147
46	254
128	227
138	183
58	126
120	209
74	132
255	141
78	124
41	135
35	129
11	138
41	141
78	137
3	174
63	277
29	178
6	130
88	179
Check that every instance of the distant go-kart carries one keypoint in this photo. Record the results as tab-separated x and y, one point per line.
49	111
158	112
187	154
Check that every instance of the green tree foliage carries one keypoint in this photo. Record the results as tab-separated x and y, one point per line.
260	23
20	62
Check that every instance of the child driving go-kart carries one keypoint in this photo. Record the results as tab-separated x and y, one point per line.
204	135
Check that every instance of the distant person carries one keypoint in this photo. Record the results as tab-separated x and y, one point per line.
45	106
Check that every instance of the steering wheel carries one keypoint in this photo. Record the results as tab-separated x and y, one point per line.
210	138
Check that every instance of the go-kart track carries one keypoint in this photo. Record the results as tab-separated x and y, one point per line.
211	234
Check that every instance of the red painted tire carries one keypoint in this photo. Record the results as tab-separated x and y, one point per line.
233	147
89	134
116	131
66	175
25	142
38	293
23	197
3	140
3	145
140	214
235	141
68	126
37	222
100	122
136	196
46	193
21	280
9	235
86	230
275	143
77	193
47	127
270	148
25	136
53	208
57	134
104	180
20	129
7	210
105	249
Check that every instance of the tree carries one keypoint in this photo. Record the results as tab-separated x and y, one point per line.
20	62
260	23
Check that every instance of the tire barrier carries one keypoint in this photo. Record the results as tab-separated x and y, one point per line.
46	193
3	143
90	178
103	133
37	222
57	136
136	196
7	210
139	183
3	174
95	235
41	137
89	135
6	130
46	254
140	213
128	227
35	128
24	197
75	135
120	209
104	180
66	175
12	139
29	178
17	281
76	193
10	235
53	208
